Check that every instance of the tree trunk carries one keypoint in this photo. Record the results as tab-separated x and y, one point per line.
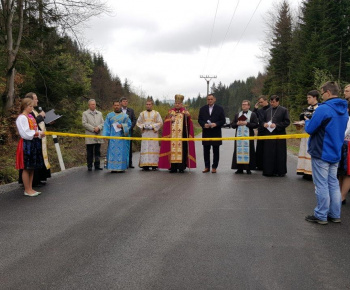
9	9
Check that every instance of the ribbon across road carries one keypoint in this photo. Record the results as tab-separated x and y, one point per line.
271	137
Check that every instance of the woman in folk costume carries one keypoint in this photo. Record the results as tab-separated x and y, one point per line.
177	155
244	154
304	158
40	174
149	122
29	155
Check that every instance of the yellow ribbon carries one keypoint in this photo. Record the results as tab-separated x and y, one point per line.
290	136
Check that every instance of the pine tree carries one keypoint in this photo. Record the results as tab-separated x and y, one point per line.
278	69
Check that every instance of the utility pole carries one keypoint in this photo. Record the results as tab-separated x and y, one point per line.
208	79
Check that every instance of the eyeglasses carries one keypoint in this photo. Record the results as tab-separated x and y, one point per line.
323	93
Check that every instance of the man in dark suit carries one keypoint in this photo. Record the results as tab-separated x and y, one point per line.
130	112
211	118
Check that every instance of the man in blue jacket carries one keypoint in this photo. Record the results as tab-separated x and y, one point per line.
327	128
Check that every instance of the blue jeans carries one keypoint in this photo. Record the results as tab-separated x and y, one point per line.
327	189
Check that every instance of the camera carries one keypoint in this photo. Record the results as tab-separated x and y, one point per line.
306	113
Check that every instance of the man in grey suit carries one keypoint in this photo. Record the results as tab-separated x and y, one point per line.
130	112
93	123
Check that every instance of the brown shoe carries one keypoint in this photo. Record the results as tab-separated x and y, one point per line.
213	170
206	170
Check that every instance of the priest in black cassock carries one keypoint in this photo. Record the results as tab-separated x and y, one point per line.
276	121
244	154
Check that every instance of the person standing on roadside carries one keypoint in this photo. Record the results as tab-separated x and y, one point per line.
40	174
130	112
29	151
211	118
327	130
244	153
176	155
117	124
276	120
149	123
93	123
260	113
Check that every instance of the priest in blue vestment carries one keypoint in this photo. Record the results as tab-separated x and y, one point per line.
117	124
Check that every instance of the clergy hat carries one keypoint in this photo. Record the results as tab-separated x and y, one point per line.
179	98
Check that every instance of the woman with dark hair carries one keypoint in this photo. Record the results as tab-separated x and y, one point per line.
304	158
28	156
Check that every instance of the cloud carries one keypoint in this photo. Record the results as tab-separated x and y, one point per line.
163	46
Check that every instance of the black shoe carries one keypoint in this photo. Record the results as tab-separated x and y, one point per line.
343	202
89	169
239	171
333	220
130	166
181	171
145	169
313	219
173	170
249	172
154	168
98	168
39	184
307	177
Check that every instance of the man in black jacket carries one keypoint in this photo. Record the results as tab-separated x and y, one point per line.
130	112
264	104
211	118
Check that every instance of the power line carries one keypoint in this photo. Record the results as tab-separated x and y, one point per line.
228	29
239	40
211	35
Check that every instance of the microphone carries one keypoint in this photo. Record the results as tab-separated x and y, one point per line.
40	109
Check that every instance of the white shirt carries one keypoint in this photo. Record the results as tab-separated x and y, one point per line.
211	109
23	128
347	131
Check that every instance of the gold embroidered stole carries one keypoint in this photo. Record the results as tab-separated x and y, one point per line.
176	132
44	143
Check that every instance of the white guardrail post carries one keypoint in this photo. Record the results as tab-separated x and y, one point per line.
58	150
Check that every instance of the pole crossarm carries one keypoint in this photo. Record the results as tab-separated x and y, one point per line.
208	79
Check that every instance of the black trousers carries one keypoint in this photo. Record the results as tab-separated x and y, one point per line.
91	150
216	150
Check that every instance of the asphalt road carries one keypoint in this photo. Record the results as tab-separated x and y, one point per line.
155	230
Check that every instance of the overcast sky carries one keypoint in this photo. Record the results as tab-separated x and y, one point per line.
162	47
